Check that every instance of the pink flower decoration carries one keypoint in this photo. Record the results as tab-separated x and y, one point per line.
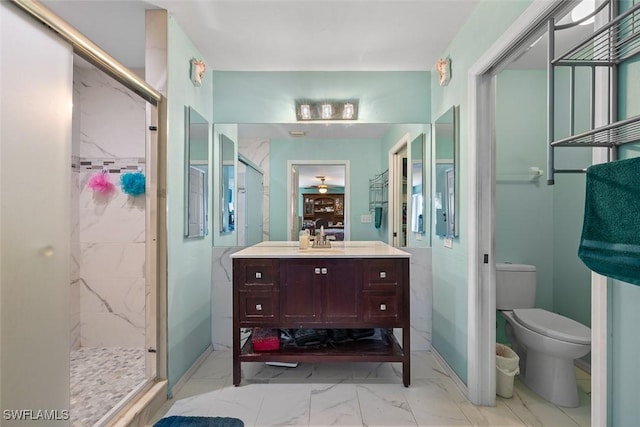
100	183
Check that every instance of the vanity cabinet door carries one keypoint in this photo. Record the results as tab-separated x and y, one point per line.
341	290
320	291
300	291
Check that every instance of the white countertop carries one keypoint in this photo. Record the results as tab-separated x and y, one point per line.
346	249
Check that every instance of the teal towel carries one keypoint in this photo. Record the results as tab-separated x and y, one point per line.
180	421
378	217
610	243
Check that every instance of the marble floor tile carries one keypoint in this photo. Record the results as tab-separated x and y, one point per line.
534	410
285	405
384	405
390	371
432	405
358	394
334	405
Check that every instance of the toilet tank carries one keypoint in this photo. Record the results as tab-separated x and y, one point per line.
515	286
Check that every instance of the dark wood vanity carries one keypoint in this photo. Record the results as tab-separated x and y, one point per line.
349	287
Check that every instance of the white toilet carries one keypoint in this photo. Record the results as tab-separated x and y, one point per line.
547	343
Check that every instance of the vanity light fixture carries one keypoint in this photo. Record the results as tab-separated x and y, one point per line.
348	111
326	111
308	110
304	112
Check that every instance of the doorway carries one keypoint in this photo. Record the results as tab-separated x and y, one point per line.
318	196
482	205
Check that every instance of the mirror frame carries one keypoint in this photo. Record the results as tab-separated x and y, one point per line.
421	141
190	116
224	140
452	227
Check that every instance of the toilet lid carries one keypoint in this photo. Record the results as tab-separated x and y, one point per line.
553	325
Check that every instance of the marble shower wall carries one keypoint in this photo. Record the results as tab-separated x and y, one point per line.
108	231
421	288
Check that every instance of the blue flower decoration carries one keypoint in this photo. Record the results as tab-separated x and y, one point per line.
133	183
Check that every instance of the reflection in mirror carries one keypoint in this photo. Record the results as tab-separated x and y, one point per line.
418	207
227	184
446	194
275	146
249	202
196	172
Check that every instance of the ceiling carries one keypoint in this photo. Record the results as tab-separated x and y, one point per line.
282	35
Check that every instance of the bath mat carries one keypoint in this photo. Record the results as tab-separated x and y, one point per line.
180	421
610	243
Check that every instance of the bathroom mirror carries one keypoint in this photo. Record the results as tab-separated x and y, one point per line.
446	193
227	184
418	179
196	172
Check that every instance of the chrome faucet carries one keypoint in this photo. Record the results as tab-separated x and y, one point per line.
321	241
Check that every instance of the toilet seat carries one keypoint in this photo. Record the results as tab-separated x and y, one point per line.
553	325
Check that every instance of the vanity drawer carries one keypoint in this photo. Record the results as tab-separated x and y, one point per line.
381	306
258	307
256	274
382	274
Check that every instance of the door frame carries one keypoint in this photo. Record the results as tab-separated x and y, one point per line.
395	168
481	224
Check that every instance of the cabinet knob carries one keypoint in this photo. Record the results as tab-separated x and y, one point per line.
383	307
259	307
383	274
324	270
317	270
258	275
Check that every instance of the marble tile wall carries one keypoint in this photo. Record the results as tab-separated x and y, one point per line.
421	298
108	231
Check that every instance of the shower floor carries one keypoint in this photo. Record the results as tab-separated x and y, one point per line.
100	379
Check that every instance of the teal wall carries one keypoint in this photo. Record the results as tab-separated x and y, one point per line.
536	223
364	161
268	97
571	278
450	265
189	269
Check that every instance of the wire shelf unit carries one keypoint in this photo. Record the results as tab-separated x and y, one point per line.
611	44
607	47
379	191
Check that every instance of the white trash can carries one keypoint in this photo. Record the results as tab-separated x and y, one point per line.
507	367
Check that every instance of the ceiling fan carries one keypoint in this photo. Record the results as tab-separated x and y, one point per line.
322	187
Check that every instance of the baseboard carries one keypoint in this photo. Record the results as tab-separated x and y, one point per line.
187	375
456	379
